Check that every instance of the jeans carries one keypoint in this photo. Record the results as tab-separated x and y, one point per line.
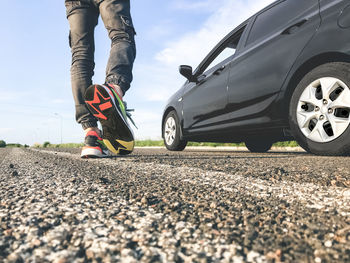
83	16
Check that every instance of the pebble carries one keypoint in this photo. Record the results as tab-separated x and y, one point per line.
60	260
89	254
14	258
144	200
328	243
346	193
252	256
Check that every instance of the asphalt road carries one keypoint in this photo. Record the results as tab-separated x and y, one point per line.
158	206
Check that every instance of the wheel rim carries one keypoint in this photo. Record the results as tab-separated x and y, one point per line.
170	131
323	110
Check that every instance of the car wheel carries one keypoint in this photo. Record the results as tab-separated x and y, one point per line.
258	145
320	108
171	133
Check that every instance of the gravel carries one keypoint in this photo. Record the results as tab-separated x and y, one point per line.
158	206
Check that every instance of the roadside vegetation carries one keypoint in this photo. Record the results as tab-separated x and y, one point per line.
3	144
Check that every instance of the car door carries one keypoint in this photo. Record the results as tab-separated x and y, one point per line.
204	102
278	35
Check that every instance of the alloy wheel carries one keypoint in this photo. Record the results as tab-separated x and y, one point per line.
170	131
323	110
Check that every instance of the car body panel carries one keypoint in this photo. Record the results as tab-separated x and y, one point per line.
205	101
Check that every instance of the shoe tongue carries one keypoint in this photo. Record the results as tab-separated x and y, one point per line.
93	133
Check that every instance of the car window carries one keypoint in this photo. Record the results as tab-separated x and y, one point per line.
277	17
225	51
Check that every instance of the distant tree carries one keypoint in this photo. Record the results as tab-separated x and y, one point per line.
46	144
2	144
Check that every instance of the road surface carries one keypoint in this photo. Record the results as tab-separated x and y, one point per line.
159	206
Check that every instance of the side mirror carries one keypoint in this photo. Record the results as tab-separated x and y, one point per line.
186	71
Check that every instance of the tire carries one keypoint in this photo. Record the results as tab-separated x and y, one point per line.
171	133
258	145
319	110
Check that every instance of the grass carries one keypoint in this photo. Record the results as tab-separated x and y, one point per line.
68	145
286	144
63	145
15	145
160	143
147	143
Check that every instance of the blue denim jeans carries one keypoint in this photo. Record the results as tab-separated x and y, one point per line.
83	16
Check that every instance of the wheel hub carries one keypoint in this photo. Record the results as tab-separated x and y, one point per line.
318	110
324	109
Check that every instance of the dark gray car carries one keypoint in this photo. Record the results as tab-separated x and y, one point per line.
283	74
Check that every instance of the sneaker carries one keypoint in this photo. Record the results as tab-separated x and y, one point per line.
108	107
94	147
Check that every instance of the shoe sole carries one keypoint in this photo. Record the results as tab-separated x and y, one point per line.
89	152
117	135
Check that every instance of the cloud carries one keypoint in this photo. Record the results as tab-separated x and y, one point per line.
145	115
199	5
161	30
149	121
192	47
12	95
157	80
59	101
5	131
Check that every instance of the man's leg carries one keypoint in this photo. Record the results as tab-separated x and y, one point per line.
105	101
117	20
82	18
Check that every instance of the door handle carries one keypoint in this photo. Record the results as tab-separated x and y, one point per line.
219	70
293	28
201	79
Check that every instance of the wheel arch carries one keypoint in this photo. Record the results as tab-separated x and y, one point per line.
306	67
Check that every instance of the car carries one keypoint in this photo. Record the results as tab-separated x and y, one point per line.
283	74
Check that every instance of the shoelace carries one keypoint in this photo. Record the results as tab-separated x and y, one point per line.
128	114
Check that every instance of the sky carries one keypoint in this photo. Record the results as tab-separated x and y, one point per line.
36	102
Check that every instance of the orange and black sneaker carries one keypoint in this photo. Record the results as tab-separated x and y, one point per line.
94	147
108	107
